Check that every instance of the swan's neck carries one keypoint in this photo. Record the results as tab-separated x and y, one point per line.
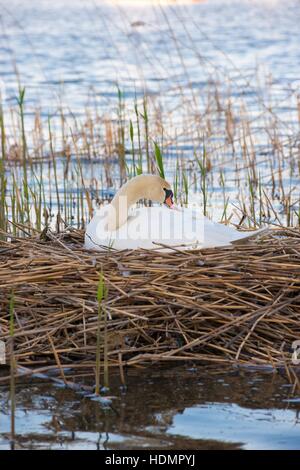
128	195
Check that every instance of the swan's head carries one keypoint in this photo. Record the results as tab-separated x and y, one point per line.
169	197
151	187
159	190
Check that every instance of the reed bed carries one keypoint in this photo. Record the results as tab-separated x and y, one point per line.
231	305
65	170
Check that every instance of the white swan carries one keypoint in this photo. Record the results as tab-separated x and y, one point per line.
120	225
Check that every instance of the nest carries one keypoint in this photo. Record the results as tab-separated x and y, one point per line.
238	304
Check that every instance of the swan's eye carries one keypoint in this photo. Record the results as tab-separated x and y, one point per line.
169	197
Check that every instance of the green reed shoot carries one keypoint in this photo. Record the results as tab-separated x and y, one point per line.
55	174
101	295
185	187
202	164
12	370
159	160
140	171
121	134
2	173
3	133
131	133
225	200
146	126
176	181
21	101
252	197
3	183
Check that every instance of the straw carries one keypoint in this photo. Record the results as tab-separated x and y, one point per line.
229	305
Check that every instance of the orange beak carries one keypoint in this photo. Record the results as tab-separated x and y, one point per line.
169	202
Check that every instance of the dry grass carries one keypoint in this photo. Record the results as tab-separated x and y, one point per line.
238	304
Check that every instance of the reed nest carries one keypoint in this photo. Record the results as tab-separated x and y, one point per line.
238	304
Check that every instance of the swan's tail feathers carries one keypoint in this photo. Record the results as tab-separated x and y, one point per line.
245	236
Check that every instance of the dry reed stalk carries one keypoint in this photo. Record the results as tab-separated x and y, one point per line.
238	304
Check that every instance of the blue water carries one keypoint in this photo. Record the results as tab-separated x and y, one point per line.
72	55
65	49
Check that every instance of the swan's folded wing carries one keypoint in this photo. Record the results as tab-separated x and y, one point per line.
216	234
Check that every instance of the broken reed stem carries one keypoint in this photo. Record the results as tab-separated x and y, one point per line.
57	359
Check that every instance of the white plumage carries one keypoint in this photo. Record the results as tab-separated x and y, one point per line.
149	227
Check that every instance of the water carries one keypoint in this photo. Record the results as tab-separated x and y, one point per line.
73	55
190	58
178	407
66	48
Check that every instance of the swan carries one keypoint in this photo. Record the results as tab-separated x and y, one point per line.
122	225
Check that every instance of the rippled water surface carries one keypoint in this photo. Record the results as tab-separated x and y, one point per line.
64	48
189	57
183	408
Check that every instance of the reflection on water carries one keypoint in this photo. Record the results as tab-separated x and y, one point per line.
179	408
